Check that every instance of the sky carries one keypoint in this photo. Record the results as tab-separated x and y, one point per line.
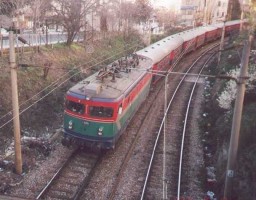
166	3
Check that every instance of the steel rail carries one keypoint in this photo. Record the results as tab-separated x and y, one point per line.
82	184
165	114
56	175
185	125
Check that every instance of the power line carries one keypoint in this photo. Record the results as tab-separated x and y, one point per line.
59	86
55	82
25	109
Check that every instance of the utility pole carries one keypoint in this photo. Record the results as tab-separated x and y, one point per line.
221	41
235	132
164	142
15	106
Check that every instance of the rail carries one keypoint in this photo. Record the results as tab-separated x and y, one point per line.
185	125
163	120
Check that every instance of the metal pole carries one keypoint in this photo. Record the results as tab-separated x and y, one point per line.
221	42
233	145
164	147
15	105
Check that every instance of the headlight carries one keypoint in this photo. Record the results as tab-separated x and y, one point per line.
100	131
70	124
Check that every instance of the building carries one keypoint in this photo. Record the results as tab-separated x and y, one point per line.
218	11
192	12
198	12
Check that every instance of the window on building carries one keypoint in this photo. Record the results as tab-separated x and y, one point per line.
190	12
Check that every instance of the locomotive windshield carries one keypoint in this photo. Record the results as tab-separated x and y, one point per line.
75	107
96	111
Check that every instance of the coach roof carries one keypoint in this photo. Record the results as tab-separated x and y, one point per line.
162	48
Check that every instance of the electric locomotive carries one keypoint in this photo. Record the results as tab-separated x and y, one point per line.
98	109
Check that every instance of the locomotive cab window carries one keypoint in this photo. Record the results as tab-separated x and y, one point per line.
101	111
75	107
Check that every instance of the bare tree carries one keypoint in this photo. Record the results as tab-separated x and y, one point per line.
234	10
7	7
109	12
71	15
12	9
103	17
16	8
127	13
143	10
166	17
39	9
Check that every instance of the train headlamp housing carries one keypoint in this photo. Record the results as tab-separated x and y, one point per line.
70	124
100	131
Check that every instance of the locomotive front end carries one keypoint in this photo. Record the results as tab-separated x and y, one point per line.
88	124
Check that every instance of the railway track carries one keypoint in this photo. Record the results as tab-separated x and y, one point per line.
121	172
70	180
167	174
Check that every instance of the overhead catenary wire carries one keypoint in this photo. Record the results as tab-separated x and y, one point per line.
180	56
60	84
55	82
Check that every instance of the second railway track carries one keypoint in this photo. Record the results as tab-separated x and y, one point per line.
164	172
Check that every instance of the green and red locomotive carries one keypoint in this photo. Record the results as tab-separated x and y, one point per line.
99	108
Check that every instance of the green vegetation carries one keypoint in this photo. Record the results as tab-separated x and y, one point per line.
217	122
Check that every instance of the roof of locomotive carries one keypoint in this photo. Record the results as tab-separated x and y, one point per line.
107	90
162	48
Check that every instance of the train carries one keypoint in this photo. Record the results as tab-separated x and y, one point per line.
99	108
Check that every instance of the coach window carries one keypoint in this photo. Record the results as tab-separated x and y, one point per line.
100	111
75	107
